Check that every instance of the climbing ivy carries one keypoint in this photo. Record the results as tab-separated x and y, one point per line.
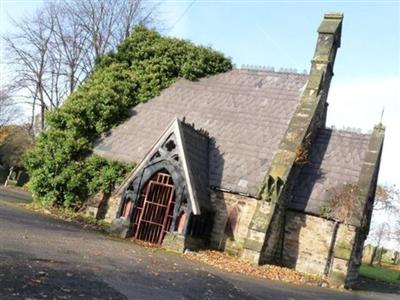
61	166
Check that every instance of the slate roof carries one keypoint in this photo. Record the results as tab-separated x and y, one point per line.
246	113
335	159
197	159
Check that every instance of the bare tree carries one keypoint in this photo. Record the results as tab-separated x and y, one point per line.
69	46
387	199
54	51
379	235
28	52
387	205
8	110
108	22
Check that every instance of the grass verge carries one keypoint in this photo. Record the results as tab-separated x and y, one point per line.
70	216
380	273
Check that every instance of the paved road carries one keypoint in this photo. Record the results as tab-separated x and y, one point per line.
45	258
13	196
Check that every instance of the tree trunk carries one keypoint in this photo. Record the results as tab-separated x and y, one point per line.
373	256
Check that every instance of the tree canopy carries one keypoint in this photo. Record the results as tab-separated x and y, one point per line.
61	166
14	141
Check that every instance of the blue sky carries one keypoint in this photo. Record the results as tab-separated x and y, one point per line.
283	34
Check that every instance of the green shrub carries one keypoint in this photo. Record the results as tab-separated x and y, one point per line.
104	174
61	166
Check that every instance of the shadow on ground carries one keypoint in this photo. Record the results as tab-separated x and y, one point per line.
372	285
22	278
38	278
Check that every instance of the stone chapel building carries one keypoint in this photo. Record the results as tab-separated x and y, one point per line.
243	162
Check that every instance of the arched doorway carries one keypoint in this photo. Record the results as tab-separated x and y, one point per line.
153	214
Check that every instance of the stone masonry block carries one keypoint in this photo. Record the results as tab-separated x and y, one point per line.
174	242
344	241
339	270
251	256
307	242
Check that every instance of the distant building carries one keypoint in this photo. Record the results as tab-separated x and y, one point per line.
243	162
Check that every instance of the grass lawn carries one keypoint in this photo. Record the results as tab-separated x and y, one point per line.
12	182
380	273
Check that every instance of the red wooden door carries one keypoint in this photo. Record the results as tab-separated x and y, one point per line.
155	212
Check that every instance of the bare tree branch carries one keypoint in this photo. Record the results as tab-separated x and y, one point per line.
8	108
28	51
387	199
54	51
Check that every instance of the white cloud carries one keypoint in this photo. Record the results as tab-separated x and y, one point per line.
359	104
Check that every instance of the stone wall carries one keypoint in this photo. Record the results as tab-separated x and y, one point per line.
343	269
307	242
103	206
323	247
351	237
223	203
112	207
238	208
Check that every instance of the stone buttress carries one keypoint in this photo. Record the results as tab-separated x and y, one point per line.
266	228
